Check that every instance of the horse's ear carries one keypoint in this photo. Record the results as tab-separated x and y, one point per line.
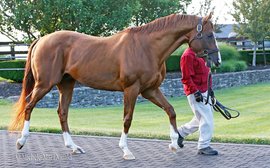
206	18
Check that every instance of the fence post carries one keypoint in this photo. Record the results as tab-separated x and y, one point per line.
12	50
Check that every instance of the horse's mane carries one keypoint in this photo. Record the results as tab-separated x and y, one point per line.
170	21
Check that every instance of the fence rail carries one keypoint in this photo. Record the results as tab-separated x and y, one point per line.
11	54
12	69
251	47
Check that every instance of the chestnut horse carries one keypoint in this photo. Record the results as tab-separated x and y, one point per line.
131	61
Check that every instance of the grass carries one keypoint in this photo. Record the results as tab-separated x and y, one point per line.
5	80
150	121
2	79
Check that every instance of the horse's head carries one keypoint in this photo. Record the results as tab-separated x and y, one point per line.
203	42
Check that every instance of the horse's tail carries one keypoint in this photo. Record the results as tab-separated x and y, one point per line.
27	88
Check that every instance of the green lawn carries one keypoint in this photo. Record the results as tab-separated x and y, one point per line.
5	80
2	79
151	122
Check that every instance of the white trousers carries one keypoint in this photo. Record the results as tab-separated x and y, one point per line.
202	121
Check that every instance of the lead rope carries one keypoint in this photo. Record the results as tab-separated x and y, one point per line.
217	106
208	86
225	110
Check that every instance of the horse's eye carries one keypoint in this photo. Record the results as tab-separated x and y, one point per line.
210	35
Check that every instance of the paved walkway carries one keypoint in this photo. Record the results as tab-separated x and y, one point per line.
48	150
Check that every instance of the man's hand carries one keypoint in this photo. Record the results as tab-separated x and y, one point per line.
211	93
198	96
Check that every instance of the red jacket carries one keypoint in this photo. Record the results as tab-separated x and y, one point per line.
194	72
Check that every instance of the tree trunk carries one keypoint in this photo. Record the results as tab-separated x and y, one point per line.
137	21
254	54
264	55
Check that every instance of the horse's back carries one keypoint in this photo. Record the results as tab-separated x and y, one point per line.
109	63
88	59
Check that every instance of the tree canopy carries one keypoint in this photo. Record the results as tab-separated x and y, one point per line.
205	7
253	19
95	17
148	10
45	16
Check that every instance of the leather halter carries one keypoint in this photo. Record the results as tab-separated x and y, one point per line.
199	36
199	31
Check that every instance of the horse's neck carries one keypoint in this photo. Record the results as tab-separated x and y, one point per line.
168	41
164	47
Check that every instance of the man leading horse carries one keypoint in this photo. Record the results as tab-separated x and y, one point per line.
131	61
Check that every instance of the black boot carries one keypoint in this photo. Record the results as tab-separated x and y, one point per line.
207	151
180	141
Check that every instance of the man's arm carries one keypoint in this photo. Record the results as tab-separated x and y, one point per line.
187	72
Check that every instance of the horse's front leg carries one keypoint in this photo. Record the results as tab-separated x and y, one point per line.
130	96
156	97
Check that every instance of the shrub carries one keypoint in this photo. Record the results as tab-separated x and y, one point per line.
228	52
231	66
226	66
15	75
179	51
240	65
173	63
247	56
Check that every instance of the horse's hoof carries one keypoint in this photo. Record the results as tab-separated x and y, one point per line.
129	156
173	148
19	146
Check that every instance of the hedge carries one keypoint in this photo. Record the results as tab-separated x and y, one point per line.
247	56
173	63
231	66
15	75
229	56
231	59
228	52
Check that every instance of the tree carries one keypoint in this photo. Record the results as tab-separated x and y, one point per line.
265	18
107	16
205	7
37	18
148	10
252	19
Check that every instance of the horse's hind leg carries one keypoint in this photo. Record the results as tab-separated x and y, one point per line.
156	97
38	92
65	88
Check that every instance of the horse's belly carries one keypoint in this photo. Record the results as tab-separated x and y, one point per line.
101	84
96	75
